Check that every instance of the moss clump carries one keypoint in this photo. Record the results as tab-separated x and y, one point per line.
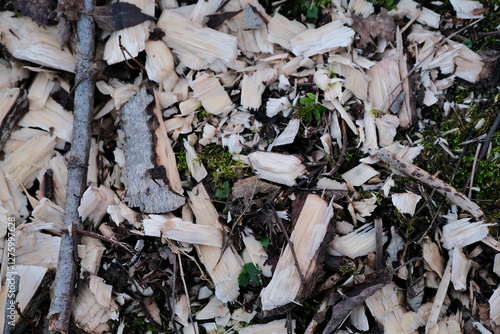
223	171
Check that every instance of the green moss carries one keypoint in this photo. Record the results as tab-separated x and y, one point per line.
388	4
139	325
222	169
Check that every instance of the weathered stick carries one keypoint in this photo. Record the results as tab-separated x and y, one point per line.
421	175
62	296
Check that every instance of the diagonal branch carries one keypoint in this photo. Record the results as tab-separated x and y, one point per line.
62	296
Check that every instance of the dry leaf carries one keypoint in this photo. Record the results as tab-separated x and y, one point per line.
214	21
374	26
118	16
37	10
355	296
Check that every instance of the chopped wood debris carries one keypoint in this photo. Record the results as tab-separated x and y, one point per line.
250	162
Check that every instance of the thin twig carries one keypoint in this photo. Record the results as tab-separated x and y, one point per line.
379	241
486	145
343	152
62	295
290	243
225	244
101	237
186	291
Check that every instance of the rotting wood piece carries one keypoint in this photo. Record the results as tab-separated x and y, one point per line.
312	229
150	176
14	105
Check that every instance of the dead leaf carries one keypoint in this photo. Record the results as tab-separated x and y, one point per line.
37	10
374	26
69	8
119	15
64	31
214	21
355	296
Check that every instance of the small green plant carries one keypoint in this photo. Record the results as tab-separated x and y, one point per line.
249	273
264	241
348	270
309	109
223	193
388	4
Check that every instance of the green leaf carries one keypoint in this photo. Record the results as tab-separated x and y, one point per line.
311	96
264	241
468	43
249	272
312	12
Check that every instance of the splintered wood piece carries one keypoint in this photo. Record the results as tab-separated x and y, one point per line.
23	164
359	174
197	47
313	226
211	94
214	308
94	306
92	250
36	248
439	298
132	39
183	231
433	257
11	73
254	252
419	174
253	85
459	269
277	167
461	233
26	41
357	243
406	202
159	60
224	270
13	106
282	30
95	202
31	278
51	117
274	327
150	176
426	16
386	307
49	212
466	8
494	302
325	38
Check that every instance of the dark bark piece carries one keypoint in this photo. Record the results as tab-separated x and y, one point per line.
146	174
40	298
214	21
15	101
62	296
252	19
355	297
37	10
119	15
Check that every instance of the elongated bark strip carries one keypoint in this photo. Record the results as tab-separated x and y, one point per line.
421	175
150	174
62	296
